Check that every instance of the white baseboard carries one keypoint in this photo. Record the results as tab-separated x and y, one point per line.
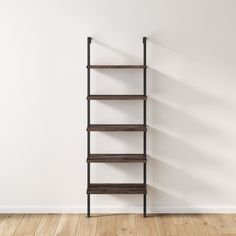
168	209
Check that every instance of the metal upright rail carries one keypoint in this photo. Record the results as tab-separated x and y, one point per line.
88	121
144	122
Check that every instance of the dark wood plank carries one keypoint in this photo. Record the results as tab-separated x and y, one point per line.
116	66
117	127
117	188
117	97
116	158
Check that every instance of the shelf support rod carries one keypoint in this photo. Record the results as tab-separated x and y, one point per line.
145	123
89	39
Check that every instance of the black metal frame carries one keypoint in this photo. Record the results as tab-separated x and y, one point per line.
88	121
145	123
89	39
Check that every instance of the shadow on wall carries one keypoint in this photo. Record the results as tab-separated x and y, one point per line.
116	81
183	158
127	56
184	165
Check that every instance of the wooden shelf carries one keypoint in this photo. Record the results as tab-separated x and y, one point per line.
116	158
116	66
116	127
117	188
117	97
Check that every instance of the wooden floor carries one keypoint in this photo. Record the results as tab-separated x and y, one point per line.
122	225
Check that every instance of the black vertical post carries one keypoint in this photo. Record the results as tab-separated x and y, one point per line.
88	122
145	123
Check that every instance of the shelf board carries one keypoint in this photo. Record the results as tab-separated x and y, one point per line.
117	127
117	97
116	158
116	66
117	188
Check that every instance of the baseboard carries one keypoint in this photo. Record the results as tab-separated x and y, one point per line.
168	209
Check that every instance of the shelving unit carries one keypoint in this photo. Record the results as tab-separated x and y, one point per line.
116	188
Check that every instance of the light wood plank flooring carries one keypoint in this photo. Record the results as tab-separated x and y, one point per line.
120	224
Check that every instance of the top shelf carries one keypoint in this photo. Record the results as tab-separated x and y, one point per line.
116	67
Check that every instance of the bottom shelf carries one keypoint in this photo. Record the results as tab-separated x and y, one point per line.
117	188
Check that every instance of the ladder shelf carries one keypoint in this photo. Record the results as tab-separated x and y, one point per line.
116	188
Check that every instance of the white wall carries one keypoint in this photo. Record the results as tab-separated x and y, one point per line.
191	106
